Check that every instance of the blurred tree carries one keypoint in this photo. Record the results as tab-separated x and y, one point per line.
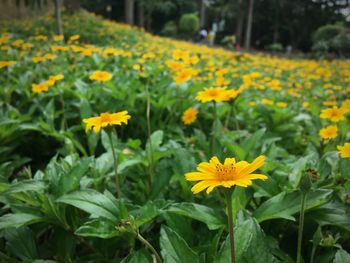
58	4
249	24
129	11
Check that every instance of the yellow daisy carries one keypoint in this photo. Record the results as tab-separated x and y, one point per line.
329	132
189	116
101	76
105	119
213	173
344	150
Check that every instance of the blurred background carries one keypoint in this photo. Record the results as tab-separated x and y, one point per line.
270	25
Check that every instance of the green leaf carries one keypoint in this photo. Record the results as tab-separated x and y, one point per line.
70	181
174	248
26	186
285	205
18	220
156	139
201	213
140	256
92	202
341	257
101	228
252	142
335	213
21	243
251	245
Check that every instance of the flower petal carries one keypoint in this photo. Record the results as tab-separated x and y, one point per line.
196	176
202	185
257	163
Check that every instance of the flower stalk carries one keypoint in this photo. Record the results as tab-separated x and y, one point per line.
213	138
301	225
150	247
228	194
115	165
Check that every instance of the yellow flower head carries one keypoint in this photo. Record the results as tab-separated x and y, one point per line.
41	87
344	150
212	94
334	114
183	75
105	119
58	37
189	116
101	76
330	132
281	104
213	173
266	102
4	64
346	106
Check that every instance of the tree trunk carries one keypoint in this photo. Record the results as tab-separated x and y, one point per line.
239	23
58	4
140	14
129	11
202	13
249	25
72	5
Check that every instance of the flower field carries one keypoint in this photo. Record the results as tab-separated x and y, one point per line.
120	146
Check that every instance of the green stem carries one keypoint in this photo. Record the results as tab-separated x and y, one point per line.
228	117
148	117
301	226
213	138
230	224
115	166
149	246
313	252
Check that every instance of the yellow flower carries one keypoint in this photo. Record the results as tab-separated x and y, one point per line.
346	106
74	37
56	77
266	102
334	114
102	76
41	87
189	116
281	104
344	150
330	132
213	173
105	119
4	64
306	104
212	94
58	37
183	75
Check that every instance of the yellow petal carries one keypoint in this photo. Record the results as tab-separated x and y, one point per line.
196	176
229	161
205	167
256	176
202	185
257	163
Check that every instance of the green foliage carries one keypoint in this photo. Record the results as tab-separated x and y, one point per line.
57	181
189	24
169	29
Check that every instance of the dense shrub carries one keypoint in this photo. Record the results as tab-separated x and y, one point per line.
189	23
169	29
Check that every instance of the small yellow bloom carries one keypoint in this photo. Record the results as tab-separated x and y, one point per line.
252	103
183	75
105	119
212	94
41	87
334	114
346	106
266	102
58	37
189	116
281	104
4	64
344	150
306	104
101	76
330	132
213	173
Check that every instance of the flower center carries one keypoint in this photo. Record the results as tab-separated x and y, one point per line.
225	172
105	117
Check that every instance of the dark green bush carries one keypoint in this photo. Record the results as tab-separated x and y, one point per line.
169	29
189	23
